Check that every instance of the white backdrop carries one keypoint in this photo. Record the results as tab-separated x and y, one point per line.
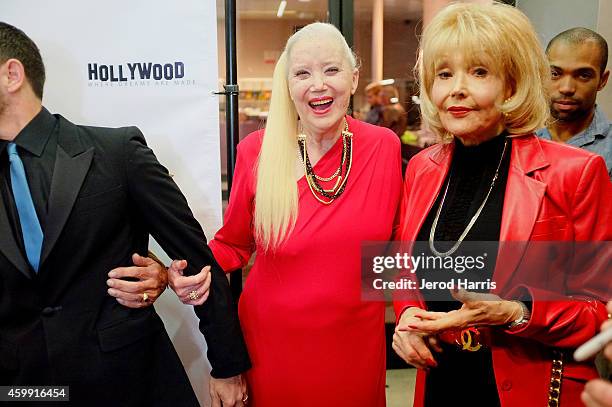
147	63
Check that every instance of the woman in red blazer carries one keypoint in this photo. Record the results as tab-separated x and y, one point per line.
482	75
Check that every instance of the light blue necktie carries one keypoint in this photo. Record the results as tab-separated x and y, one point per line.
30	226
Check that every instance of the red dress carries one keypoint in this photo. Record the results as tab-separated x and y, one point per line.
311	339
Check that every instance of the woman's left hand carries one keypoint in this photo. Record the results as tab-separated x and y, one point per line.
191	290
478	309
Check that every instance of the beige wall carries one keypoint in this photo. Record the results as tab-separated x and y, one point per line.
549	21
431	7
399	52
254	37
604	27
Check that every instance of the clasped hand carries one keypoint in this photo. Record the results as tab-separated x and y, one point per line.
416	333
191	290
149	280
478	309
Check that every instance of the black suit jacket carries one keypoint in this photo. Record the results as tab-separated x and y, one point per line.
108	193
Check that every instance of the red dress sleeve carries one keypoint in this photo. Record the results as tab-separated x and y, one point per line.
234	243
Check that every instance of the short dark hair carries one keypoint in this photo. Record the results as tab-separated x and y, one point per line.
14	43
579	35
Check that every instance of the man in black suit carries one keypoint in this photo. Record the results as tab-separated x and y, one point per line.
75	203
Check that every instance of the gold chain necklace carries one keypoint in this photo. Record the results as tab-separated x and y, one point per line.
335	174
432	231
327	196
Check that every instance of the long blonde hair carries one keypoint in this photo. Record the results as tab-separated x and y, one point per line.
507	39
276	195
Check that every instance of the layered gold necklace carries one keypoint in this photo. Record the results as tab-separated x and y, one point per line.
327	196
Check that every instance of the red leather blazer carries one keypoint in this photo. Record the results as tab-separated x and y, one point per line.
554	192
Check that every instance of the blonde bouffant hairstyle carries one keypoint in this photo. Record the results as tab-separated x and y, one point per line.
500	37
276	195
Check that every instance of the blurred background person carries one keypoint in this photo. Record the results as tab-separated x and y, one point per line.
374	115
393	114
482	75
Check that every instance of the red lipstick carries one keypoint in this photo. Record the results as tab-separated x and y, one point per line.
459	111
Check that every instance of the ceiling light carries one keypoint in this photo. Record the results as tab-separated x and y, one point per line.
281	8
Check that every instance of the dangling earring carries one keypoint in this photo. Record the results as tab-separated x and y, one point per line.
300	130
506	114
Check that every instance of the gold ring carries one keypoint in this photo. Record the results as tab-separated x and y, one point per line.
193	295
245	398
145	297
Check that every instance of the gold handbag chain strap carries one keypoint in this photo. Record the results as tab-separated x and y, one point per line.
554	390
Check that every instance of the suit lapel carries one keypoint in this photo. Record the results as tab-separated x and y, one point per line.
8	245
522	202
72	163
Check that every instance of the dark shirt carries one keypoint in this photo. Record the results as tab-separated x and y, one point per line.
394	117
374	115
36	145
462	377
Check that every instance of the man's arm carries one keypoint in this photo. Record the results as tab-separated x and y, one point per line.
162	207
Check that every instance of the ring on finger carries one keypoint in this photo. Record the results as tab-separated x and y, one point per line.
193	295
145	297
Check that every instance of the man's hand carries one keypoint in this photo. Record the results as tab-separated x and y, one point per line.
152	281
228	392
598	393
191	290
608	325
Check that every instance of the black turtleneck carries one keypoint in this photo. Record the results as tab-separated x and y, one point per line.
465	378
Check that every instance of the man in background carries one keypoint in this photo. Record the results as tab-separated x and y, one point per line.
374	115
394	115
578	59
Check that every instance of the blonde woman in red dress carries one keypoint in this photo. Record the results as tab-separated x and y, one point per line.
308	190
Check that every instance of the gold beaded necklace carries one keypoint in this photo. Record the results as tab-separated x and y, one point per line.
327	196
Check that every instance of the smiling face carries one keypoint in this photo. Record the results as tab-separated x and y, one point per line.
468	96
576	78
321	82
